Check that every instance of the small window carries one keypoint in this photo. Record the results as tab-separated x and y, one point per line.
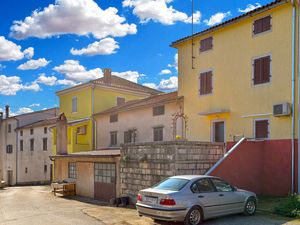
72	170
31	131
74	104
113	138
205	80
45	144
81	130
26	170
206	44
158	110
32	144
21	133
262	70
261	129
130	136
9	149
105	173
202	186
45	130
21	145
45	168
113	118
262	25
158	134
9	128
222	186
120	100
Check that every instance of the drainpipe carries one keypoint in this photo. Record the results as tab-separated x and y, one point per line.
298	67
293	97
93	119
17	142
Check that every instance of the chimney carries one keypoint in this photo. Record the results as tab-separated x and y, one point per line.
7	111
107	75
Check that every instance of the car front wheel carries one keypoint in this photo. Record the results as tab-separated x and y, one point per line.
194	216
250	207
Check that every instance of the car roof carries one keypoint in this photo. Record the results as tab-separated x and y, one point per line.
192	177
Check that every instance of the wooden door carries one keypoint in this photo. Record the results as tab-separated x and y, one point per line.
219	131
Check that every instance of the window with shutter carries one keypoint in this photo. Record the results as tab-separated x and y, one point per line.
262	70
120	100
205	85
21	145
130	136
261	129
206	44
158	134
158	110
45	144
113	138
31	144
113	118
262	25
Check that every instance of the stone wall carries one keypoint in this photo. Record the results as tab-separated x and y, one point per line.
143	165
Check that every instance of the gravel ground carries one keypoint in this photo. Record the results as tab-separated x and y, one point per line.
36	205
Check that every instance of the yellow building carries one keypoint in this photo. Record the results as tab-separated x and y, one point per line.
238	79
79	103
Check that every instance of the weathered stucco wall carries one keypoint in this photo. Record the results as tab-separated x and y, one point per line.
143	165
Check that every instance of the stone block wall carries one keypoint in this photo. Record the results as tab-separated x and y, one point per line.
145	164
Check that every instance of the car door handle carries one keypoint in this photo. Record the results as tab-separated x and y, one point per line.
221	195
200	196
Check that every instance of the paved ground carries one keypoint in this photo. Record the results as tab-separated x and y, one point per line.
36	205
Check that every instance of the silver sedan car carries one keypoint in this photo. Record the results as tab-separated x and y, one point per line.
193	198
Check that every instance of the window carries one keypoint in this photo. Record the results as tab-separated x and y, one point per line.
45	168
32	144
218	128
45	142
158	110
72	170
129	136
113	138
262	70
158	134
9	128
9	149
26	170
45	130
206	44
81	130
113	118
21	132
105	173
261	129
205	80
202	186
171	184
31	131
120	100
222	186
262	25
21	145
74	104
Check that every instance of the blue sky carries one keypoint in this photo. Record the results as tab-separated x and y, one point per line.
49	45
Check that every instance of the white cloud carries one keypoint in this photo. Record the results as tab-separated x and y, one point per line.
159	11
150	85
77	73
105	46
9	50
29	52
175	63
11	85
24	110
168	84
250	7
164	72
132	76
66	82
81	17
34	64
217	18
35	105
49	81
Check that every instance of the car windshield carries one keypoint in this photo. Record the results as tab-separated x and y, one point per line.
172	184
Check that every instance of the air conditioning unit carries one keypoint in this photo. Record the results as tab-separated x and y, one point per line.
283	109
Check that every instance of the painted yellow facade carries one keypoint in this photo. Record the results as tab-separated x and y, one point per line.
91	98
231	58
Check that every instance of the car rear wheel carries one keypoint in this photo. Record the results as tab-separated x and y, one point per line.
193	217
250	207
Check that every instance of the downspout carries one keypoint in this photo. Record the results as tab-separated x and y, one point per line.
298	95
293	97
93	120
17	141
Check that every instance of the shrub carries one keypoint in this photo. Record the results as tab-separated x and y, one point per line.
289	206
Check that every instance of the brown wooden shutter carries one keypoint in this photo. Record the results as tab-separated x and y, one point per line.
261	129
257	26
257	71
209	82
266	23
206	44
266	69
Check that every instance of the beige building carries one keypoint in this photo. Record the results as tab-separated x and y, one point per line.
18	163
146	120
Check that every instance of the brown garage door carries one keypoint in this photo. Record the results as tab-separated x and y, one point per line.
105	181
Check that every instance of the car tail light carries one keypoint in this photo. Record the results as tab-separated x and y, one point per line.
167	201
139	198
